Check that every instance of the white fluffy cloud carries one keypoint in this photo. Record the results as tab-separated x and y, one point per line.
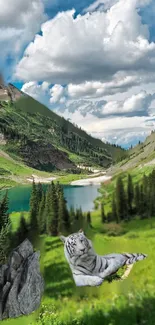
18	14
19	22
106	61
92	47
136	105
57	94
95	89
38	92
107	4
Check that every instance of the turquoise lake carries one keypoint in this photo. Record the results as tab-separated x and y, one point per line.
76	196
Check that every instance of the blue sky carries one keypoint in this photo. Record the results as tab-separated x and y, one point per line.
90	61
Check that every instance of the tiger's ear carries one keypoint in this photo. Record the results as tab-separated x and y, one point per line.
81	231
63	238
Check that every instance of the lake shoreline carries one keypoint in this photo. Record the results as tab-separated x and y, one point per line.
66	179
91	181
95	179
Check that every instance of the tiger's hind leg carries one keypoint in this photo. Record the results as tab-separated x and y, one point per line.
127	272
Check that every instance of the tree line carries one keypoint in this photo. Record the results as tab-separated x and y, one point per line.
131	200
48	215
5	229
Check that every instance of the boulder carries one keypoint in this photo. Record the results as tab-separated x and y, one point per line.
21	283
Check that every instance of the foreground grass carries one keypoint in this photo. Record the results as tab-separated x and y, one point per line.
130	302
109	303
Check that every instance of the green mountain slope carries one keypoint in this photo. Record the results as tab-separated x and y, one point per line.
141	156
32	133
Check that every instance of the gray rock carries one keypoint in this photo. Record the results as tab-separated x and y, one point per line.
15	259
32	289
3	269
25	249
21	283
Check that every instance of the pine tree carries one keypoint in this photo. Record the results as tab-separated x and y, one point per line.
58	189
42	216
72	219
4	216
114	210
141	203
62	210
52	217
146	192
89	219
64	220
79	220
121	202
151	205
137	198
48	202
5	242
23	230
102	213
39	190
130	194
34	210
151	194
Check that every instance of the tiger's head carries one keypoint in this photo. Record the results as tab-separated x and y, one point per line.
76	245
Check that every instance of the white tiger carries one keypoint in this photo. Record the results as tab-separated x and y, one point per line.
89	268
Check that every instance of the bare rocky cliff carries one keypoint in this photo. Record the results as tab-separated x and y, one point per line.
45	157
9	92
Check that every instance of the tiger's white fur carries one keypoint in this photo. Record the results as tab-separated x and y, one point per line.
89	268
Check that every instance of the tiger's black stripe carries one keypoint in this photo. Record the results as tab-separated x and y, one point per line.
68	250
83	267
94	263
106	264
101	264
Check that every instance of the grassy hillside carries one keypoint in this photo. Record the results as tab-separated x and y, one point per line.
14	172
30	105
142	155
106	190
124	303
46	141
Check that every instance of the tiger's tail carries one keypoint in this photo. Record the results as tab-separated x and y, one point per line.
131	259
134	257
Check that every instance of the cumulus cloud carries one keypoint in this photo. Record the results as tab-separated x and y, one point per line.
57	94
39	92
102	67
19	22
92	47
18	14
95	89
136	105
107	4
100	5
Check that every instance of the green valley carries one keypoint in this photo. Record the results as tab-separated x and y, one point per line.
35	140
